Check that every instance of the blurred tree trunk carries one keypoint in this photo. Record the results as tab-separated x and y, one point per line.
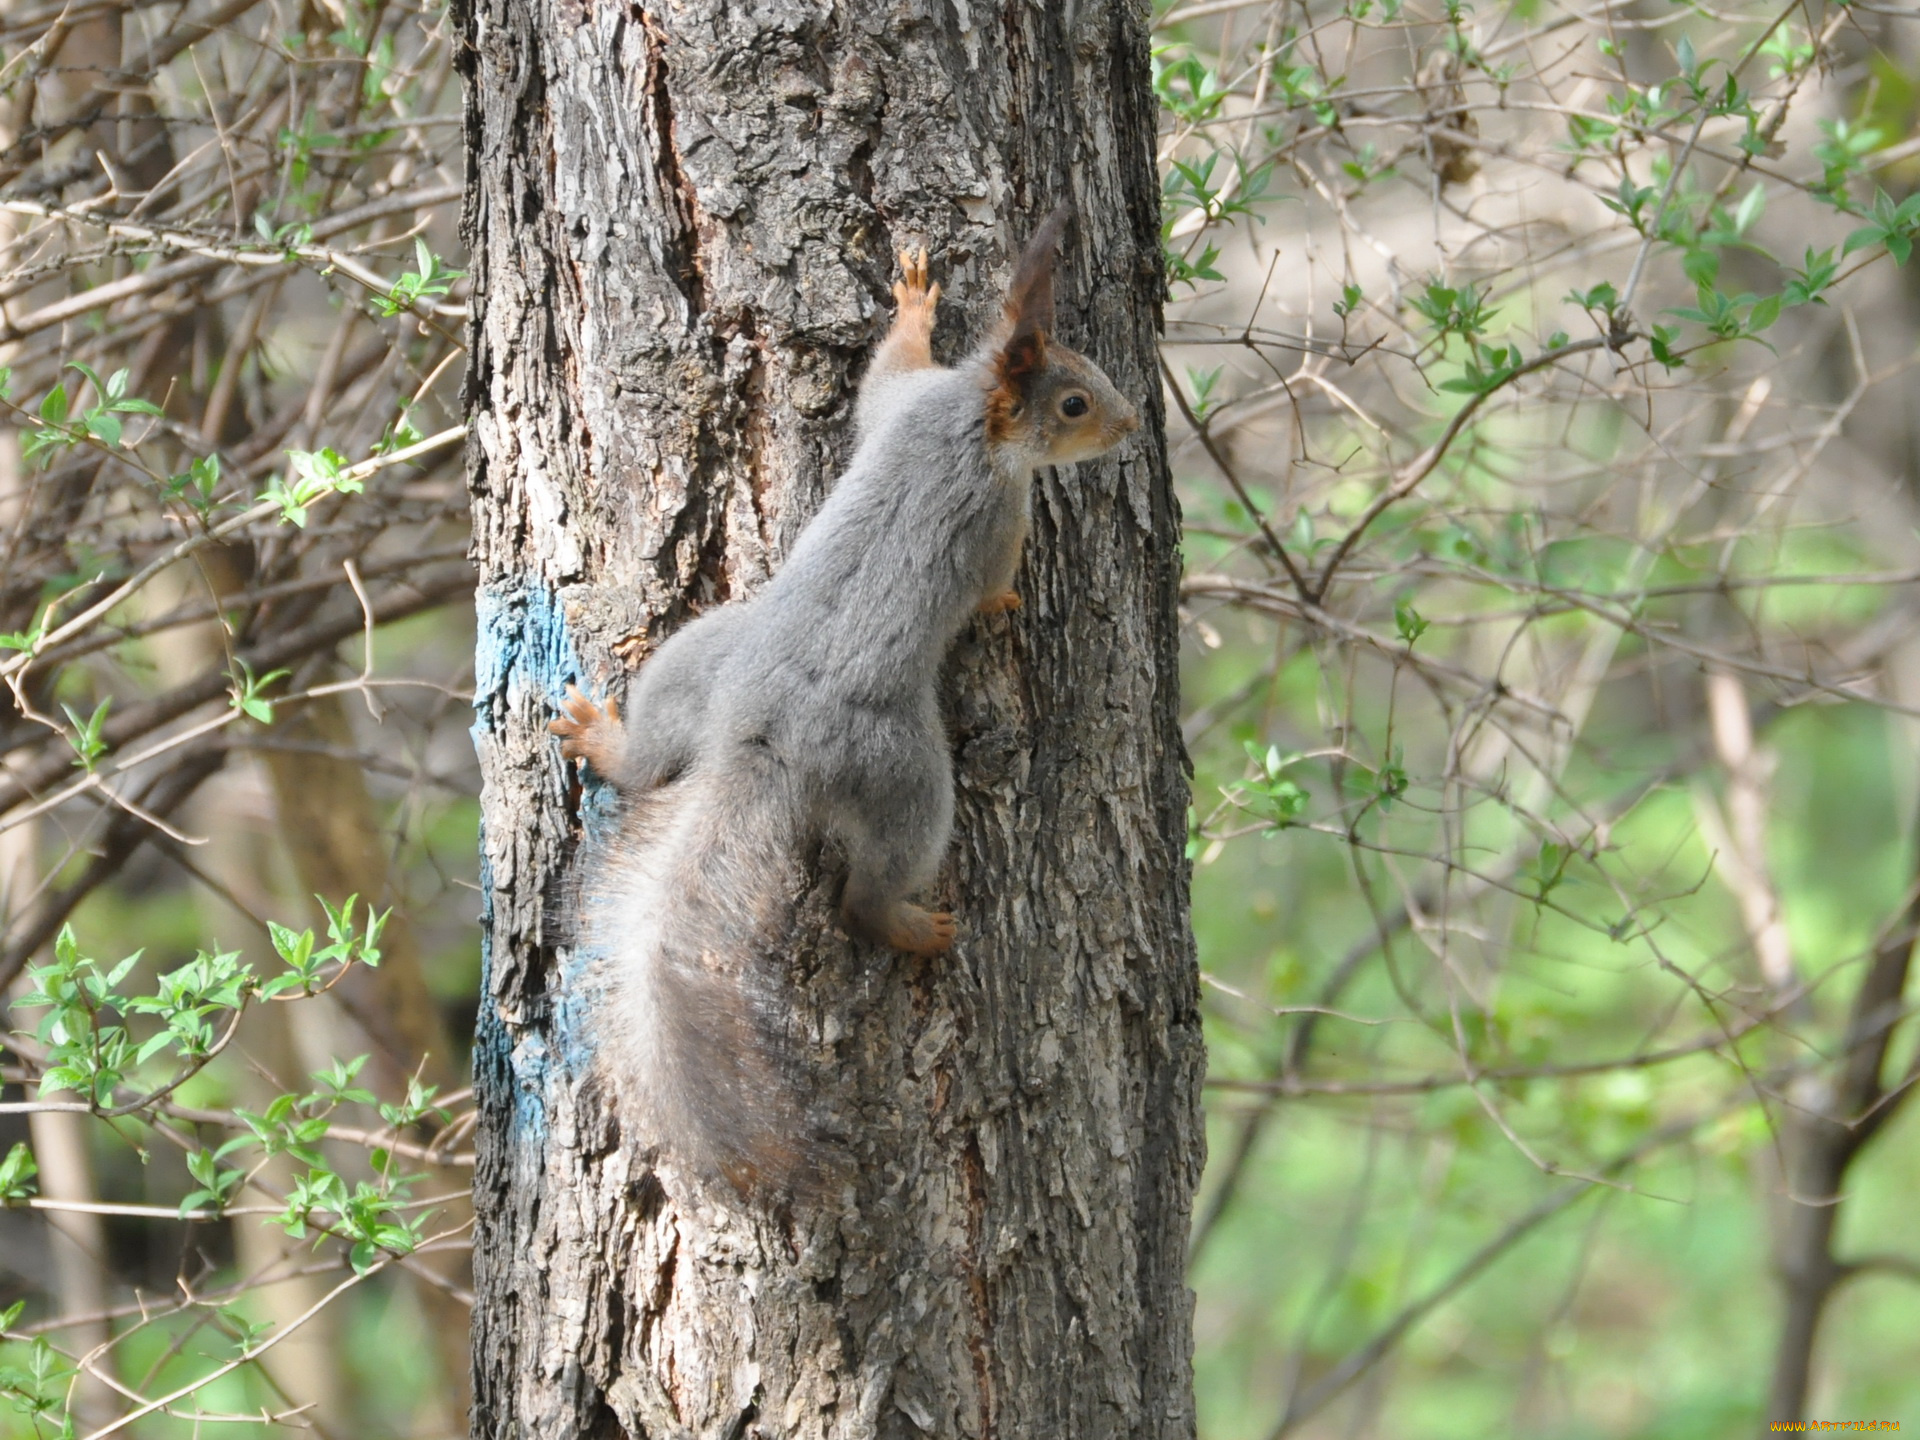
237	891
682	224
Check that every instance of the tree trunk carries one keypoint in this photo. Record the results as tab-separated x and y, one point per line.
682	223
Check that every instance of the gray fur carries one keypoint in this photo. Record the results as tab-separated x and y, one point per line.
809	711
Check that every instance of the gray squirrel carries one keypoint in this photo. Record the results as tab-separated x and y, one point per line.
808	711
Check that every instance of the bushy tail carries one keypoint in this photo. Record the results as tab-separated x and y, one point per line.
689	913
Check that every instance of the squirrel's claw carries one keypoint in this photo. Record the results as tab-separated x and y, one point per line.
587	731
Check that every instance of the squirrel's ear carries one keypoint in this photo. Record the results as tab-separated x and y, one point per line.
1029	317
1017	362
1030	296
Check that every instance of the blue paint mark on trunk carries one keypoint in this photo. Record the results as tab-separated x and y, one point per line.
524	658
522	644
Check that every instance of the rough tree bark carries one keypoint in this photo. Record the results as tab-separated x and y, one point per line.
682	222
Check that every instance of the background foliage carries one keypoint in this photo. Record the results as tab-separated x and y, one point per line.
1548	469
1547	447
236	798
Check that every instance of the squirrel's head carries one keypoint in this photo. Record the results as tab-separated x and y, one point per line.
1049	401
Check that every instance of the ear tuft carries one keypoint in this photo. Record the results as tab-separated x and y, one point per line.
1030	296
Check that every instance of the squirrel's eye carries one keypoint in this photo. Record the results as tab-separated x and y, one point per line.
1074	406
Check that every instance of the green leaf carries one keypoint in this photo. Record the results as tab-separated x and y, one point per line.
86	742
1806	285
25	640
244	692
17	1173
154	1045
1390	781
294	947
1701	266
1407	620
1859	240
122	970
92	376
1660	342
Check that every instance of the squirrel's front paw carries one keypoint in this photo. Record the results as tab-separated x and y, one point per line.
915	297
588	732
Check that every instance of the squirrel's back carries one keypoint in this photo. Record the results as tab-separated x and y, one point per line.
896	560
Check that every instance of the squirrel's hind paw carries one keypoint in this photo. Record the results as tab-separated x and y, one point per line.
921	932
588	732
1000	602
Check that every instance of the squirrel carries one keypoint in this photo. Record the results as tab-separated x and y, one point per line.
808	711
